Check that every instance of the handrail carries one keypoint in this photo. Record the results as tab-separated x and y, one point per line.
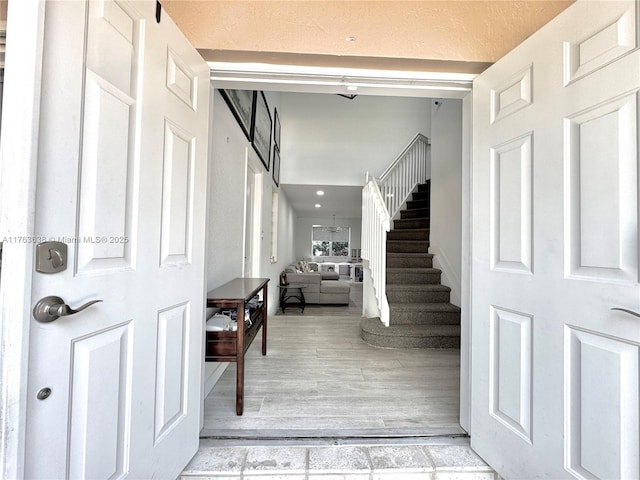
398	159
409	169
381	201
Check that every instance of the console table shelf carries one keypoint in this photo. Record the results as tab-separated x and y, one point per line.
229	346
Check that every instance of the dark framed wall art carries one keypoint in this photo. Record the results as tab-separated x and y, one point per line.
276	128
241	104
261	128
276	165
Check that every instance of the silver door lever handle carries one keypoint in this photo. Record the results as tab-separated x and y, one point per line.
630	312
51	308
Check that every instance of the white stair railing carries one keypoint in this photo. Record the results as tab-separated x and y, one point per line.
409	169
376	222
382	199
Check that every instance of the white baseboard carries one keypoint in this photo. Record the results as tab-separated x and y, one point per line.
212	375
450	277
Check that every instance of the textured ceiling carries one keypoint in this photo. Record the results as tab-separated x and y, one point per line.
457	30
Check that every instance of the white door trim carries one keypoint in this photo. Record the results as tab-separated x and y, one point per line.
253	212
466	250
18	166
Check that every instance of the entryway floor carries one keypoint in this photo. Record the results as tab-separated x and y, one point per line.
319	379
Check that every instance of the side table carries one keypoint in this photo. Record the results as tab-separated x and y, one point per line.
293	292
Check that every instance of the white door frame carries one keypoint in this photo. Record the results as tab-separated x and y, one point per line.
18	167
253	211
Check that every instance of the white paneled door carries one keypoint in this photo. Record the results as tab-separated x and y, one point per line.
114	391
555	208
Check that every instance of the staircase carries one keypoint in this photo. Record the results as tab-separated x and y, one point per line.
420	313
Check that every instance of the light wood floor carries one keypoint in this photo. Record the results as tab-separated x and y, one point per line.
319	379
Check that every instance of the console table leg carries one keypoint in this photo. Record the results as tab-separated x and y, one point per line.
265	317
240	385
264	335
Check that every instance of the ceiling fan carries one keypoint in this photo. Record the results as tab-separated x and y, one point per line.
334	229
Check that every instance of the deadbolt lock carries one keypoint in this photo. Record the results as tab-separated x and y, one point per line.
51	257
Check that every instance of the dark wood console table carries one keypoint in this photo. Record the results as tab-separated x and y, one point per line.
230	346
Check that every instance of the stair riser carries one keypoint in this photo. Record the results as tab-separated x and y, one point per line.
416	204
416	213
411	223
404	296
408	277
424	318
421	196
409	262
407	247
422	235
410	342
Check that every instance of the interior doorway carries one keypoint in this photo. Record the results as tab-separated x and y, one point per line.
449	371
253	220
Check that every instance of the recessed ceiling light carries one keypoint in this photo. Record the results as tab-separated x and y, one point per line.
318	205
320	192
350	38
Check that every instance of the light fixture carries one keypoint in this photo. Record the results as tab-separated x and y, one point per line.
334	229
352	88
320	193
318	205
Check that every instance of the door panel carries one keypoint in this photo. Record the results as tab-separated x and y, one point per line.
601	197
129	202
511	359
171	362
602	405
555	222
101	388
511	210
105	209
177	195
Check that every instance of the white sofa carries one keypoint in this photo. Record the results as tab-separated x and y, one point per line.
319	287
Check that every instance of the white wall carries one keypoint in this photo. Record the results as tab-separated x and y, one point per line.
330	140
446	193
226	196
225	229
302	237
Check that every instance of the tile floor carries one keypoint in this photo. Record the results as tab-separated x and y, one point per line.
333	462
